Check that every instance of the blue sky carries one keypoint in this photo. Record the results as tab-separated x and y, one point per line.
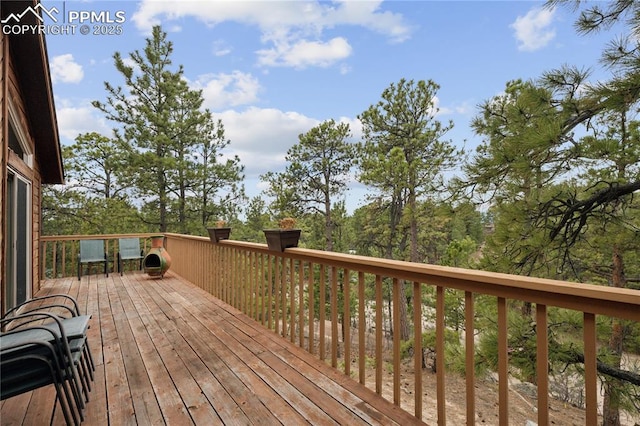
271	70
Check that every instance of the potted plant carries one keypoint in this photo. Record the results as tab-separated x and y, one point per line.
284	237
220	232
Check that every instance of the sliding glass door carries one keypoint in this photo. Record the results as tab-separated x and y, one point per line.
18	245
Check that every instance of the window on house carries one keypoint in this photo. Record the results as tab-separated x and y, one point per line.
14	142
17	139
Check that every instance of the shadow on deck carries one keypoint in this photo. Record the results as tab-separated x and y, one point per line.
167	352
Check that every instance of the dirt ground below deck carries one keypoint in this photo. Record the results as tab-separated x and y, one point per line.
522	401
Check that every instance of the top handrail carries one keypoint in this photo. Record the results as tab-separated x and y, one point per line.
48	238
588	298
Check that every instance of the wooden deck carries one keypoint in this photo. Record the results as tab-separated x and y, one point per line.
169	353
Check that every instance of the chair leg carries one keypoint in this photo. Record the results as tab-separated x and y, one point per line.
90	358
69	409
68	404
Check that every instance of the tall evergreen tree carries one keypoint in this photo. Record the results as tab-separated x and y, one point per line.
523	153
551	190
94	199
161	126
94	165
404	158
317	173
612	154
219	181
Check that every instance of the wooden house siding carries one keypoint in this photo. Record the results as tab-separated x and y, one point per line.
4	130
26	103
36	194
30	173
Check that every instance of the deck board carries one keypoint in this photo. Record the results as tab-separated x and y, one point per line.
167	352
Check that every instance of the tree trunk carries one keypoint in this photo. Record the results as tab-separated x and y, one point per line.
162	202
328	224
402	308
404	317
612	386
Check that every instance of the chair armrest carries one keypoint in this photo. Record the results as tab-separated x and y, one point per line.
76	309
57	331
44	308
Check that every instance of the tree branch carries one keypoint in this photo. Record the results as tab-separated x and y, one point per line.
616	373
573	213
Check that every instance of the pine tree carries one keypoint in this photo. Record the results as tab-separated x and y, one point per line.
404	158
169	140
317	174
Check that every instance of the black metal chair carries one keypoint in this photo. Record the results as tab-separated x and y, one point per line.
39	355
74	324
129	249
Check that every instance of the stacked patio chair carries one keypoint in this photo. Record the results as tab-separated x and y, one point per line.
38	348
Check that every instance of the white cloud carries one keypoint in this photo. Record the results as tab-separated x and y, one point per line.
262	136
227	90
220	48
303	53
64	69
74	120
367	14
288	27
533	30
355	126
465	108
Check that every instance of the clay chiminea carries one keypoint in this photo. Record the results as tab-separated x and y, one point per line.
157	261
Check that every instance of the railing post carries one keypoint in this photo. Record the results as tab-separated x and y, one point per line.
396	340
292	300
503	363
417	347
323	311
590	369
277	287
440	365
470	365
346	320
312	303
378	334
301	304
362	329
334	316
542	364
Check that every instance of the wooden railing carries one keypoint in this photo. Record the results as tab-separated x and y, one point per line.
286	292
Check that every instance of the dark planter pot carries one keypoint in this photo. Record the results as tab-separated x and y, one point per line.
280	239
217	234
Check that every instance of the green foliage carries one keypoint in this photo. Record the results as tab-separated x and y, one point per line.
317	173
454	350
256	220
404	158
163	171
69	212
172	145
459	253
95	198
